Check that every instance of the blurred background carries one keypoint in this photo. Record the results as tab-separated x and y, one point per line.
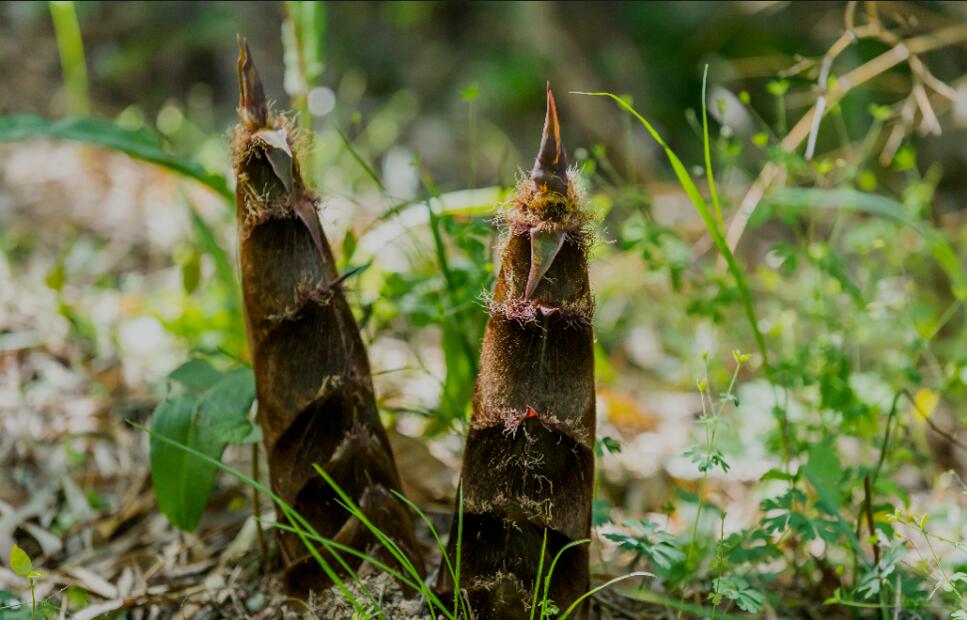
425	67
422	115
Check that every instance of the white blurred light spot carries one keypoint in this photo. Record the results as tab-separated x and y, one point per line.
141	336
644	346
321	100
399	174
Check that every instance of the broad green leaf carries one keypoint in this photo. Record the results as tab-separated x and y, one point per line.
136	143
196	375
182	481
225	406
648	541
20	562
824	472
212	413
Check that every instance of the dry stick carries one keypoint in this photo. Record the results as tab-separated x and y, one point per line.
877	66
895	139
916	99
315	392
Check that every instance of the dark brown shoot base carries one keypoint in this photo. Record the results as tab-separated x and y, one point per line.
529	459
315	392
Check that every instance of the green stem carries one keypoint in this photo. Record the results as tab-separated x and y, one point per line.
72	63
710	431
708	154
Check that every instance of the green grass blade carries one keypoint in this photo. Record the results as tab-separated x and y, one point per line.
700	205
708	154
456	562
603	586
439	542
365	165
385	540
444	264
350	551
454	572
537	579
550	571
137	144
70	44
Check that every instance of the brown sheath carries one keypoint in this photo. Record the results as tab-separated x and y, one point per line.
315	392
529	458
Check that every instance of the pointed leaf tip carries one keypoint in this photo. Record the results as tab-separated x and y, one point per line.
545	247
550	167
253	106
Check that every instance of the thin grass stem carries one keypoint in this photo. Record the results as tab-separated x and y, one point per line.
70	45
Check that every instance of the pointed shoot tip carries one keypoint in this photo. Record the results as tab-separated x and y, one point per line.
550	167
253	106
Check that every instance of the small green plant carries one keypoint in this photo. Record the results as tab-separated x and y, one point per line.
206	409
707	456
21	564
648	542
736	589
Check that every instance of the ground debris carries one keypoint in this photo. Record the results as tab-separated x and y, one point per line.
383	589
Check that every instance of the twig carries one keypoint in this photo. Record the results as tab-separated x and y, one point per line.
871	526
900	52
930	122
886	436
893	142
933	425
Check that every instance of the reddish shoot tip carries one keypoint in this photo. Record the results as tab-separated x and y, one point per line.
253	106
550	167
